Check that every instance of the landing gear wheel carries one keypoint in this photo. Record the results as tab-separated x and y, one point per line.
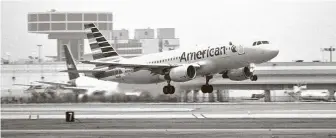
210	89
169	89
165	90
207	88
172	89
254	78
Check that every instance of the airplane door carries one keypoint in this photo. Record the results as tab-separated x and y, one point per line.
241	50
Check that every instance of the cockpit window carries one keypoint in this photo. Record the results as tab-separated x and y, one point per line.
265	42
259	43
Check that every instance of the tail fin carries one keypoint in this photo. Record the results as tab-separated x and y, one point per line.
100	47
70	62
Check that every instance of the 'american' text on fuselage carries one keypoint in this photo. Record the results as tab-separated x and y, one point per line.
210	52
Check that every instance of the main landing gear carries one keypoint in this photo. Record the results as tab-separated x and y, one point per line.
169	89
254	78
207	88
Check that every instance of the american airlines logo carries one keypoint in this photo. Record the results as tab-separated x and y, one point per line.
210	52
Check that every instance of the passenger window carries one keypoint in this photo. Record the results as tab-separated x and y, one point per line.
265	42
259	42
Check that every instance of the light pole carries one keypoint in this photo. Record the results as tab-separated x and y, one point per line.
40	60
331	49
39	50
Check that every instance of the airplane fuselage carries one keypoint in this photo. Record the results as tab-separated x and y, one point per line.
212	60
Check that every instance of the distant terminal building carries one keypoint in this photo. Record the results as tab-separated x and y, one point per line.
68	28
145	41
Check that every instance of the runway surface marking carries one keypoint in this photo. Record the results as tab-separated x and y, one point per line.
270	115
205	103
151	115
100	109
195	110
165	130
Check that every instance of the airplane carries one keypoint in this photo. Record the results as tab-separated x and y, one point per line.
233	62
84	86
37	90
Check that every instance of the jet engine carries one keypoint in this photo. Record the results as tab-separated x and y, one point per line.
240	74
181	73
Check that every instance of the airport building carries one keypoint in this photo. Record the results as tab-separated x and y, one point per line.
144	41
68	28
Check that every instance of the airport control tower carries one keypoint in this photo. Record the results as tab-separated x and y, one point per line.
68	28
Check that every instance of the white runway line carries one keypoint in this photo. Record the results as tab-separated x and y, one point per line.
270	115
170	116
313	130
198	116
293	111
149	116
100	109
121	104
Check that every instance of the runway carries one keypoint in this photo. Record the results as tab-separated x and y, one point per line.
171	120
175	133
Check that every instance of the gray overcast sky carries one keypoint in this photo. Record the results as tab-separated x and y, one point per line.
299	28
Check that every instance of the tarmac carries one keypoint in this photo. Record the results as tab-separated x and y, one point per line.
171	120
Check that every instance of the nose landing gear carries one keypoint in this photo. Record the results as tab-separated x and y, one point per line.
254	78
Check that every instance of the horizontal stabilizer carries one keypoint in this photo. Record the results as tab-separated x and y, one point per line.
28	84
76	88
54	83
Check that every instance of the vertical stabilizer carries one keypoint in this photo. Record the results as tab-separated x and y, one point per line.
70	63
100	47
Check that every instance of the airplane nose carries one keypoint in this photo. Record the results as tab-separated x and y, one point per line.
271	50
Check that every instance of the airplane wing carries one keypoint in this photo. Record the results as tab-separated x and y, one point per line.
53	83
155	68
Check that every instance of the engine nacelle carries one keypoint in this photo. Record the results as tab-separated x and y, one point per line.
239	74
181	73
